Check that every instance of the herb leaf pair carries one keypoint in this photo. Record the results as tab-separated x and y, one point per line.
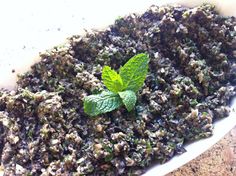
121	87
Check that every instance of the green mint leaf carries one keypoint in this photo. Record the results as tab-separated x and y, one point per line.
134	72
111	79
128	98
101	103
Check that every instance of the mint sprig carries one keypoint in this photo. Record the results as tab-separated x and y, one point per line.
121	87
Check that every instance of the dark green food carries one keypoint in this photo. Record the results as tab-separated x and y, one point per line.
192	78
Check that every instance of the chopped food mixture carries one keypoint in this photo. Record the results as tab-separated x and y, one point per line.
191	80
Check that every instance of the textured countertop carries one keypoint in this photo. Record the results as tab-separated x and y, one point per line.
219	160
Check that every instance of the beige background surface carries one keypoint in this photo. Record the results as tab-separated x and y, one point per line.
219	160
